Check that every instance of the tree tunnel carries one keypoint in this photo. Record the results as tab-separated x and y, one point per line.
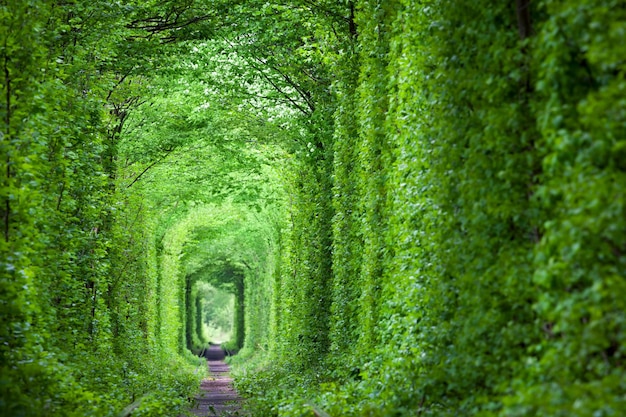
409	207
215	307
224	258
215	206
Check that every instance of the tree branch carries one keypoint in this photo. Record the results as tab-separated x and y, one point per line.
280	90
150	166
522	9
7	208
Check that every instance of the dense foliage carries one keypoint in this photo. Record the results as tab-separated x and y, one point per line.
477	216
80	333
418	207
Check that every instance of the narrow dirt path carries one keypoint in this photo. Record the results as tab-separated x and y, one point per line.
217	396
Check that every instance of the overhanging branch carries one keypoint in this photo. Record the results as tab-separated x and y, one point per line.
168	152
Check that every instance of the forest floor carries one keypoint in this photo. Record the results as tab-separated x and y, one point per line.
217	396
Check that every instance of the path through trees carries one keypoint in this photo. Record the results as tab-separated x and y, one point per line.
217	396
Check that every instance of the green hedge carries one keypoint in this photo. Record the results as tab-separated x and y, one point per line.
478	229
78	277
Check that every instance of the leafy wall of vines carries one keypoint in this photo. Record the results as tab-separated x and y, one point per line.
478	217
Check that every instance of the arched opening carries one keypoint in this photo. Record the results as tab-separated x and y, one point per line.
215	308
215	313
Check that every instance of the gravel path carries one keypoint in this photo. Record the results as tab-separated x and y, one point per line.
217	396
